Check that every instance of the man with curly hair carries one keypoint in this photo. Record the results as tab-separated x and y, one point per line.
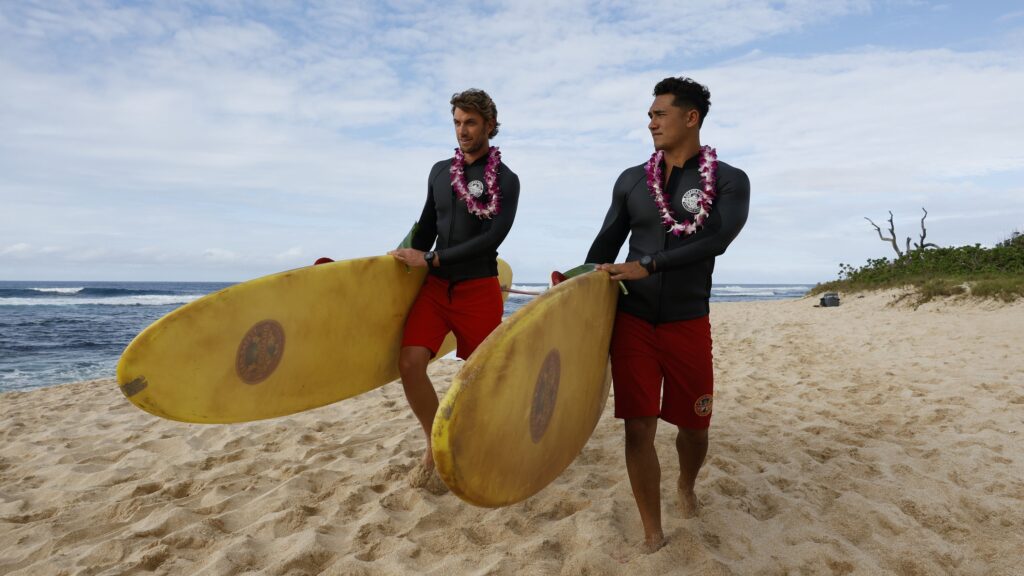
680	210
469	210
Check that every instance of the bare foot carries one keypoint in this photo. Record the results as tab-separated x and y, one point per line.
435	485
653	543
420	475
424	475
687	502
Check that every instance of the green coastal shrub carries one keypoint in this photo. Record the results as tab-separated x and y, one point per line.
996	272
1015	239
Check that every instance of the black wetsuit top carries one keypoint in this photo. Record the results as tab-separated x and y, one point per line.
681	285
466	244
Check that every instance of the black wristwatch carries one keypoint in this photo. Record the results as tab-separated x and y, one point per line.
647	262
429	257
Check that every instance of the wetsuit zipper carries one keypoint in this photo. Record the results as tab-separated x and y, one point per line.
451	234
664	235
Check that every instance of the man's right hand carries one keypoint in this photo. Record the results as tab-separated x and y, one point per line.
410	257
625	271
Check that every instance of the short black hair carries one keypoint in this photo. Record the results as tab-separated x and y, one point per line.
688	93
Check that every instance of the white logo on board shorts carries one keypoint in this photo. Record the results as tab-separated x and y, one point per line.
703	405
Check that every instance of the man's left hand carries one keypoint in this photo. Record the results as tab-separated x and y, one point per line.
625	271
410	257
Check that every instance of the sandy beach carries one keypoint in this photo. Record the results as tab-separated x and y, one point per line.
866	439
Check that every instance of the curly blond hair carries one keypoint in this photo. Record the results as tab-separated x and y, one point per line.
475	100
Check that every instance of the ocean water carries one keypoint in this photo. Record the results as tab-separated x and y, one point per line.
57	332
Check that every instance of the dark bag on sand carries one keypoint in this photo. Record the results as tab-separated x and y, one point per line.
830	299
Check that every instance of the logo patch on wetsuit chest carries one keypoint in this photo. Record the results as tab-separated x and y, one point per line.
476	188
691	201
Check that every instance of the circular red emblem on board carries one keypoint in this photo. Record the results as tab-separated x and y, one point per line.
703	405
545	393
260	351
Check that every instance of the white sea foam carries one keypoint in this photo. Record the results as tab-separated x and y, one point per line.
529	288
742	288
12	375
140	300
19	381
758	291
59	290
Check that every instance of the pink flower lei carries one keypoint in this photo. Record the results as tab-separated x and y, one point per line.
708	168
458	179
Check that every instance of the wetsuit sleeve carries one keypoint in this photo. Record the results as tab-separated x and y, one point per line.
733	203
494	235
426	234
613	232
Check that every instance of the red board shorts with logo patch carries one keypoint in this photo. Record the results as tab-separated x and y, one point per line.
678	353
471	309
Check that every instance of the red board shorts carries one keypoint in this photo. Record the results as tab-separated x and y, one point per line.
644	354
472	312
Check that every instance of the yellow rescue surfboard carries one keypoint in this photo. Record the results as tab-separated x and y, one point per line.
277	345
527	400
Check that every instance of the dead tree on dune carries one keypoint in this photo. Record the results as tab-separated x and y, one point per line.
921	245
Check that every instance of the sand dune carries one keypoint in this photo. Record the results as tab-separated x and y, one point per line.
864	439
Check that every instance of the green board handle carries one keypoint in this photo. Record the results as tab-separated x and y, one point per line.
407	241
586	269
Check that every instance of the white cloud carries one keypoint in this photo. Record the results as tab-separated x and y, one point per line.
15	250
220	255
293	254
171	131
1010	16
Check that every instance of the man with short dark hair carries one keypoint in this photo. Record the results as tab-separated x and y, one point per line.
680	210
471	204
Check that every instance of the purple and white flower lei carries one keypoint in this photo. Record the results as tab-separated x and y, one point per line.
708	168
458	179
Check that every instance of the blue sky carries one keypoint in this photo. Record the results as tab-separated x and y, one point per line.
228	140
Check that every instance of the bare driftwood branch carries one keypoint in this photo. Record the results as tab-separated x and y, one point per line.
892	235
922	244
